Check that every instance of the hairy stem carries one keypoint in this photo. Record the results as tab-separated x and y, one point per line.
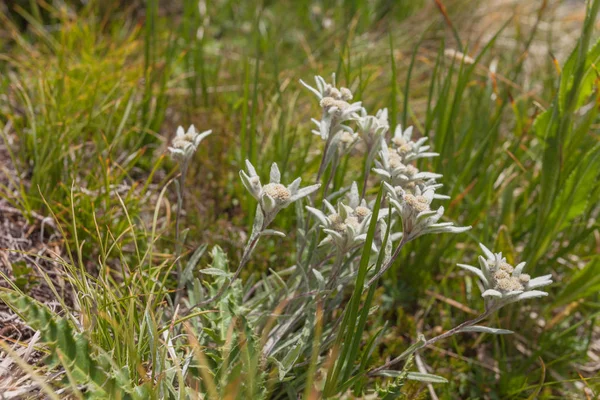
335	270
252	242
178	242
431	341
389	263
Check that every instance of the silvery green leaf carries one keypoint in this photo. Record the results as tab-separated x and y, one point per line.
540	281
250	168
387	246
324	126
258	219
289	360
530	295
519	269
487	251
389	373
274	273
293	187
305	191
427	175
202	136
329	207
428	154
319	214
320	278
248	185
193	262
275	175
272	232
426	214
353	196
476	271
315	91
331	152
320	83
269	204
334	234
214	271
491	293
428	378
451	229
325	241
382	172
485	329
482	263
361	238
176	152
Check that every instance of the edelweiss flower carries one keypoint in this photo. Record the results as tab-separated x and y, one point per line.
185	144
503	282
373	128
345	141
392	168
407	149
347	225
273	196
417	216
335	105
325	89
396	192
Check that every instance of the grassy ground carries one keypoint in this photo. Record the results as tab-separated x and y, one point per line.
91	94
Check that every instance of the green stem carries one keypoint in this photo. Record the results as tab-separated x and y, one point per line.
431	341
250	246
178	241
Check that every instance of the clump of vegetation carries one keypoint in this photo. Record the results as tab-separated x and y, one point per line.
347	286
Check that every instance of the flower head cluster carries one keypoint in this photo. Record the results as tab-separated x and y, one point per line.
394	168
407	149
336	106
503	282
372	128
185	144
324	89
346	226
416	214
344	141
273	197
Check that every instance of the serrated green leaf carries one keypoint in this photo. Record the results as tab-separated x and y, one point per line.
573	197
541	124
61	337
587	82
582	284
